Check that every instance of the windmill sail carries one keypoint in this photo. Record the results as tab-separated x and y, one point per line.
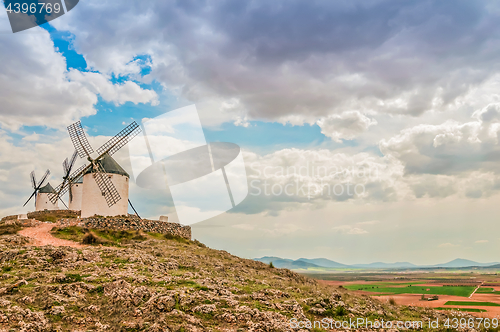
107	187
120	140
79	140
36	186
63	187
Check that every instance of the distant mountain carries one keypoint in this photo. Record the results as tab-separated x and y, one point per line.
496	266
305	263
286	263
268	259
460	262
323	262
380	265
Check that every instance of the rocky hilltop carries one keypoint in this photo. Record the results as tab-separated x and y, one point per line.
133	281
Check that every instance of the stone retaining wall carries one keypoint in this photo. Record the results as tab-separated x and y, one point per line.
130	223
53	215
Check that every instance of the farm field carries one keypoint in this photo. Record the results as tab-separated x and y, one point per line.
414	289
473	291
462	309
486	290
480	304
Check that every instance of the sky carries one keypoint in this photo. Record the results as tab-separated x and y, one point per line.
381	118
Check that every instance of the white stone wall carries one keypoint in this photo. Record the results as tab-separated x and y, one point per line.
93	203
43	203
76	203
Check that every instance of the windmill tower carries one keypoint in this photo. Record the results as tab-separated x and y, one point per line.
41	194
76	195
75	189
105	183
42	199
92	199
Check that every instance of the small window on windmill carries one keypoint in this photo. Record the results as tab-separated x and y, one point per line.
110	176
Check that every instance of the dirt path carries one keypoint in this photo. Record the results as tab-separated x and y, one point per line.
475	290
40	236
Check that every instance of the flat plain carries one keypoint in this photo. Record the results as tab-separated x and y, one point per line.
475	290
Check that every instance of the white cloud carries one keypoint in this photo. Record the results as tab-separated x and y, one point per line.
242	122
34	89
345	126
482	241
370	222
31	138
116	93
245	227
346	229
448	245
448	148
37	90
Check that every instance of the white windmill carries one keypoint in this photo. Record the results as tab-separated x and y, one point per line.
41	194
105	183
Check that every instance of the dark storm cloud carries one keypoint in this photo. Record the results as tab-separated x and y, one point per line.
306	59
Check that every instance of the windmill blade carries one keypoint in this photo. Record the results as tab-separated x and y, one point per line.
70	193
33	179
47	173
107	187
120	139
66	167
29	199
79	140
72	160
63	187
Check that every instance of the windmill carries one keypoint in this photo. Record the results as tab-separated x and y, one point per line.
97	171
67	167
37	186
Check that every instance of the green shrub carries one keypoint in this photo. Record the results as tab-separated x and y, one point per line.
271	265
71	278
175	238
340	311
9	229
99	290
199	244
90	238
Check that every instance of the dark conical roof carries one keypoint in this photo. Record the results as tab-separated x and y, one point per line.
47	189
110	166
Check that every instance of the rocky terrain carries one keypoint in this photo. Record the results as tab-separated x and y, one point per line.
132	281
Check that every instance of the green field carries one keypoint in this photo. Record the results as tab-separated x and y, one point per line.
462	309
477	304
485	290
464	291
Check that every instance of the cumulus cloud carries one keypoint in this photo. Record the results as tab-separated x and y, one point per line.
296	178
448	245
346	229
21	157
298	60
370	222
482	241
345	126
116	93
450	147
37	90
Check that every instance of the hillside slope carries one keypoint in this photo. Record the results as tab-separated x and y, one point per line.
147	282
